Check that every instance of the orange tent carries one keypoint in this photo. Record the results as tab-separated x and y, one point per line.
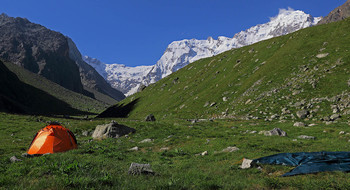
51	139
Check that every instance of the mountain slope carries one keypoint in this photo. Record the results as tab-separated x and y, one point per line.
75	100
50	54
338	14
301	75
180	53
19	97
38	50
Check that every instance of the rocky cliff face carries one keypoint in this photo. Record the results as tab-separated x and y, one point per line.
50	54
338	14
39	50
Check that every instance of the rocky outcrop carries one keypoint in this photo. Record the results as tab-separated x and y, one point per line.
111	130
50	54
38	50
338	14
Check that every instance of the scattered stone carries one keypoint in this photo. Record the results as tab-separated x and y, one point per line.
175	80
306	137
295	140
111	130
341	132
14	159
134	148
203	153
299	124
150	117
285	111
329	122
85	133
138	169
212	104
334	117
275	132
165	149
146	141
302	114
322	55
247	163
230	149
312	124
224	99
248	101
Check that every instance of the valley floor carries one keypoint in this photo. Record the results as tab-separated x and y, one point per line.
172	155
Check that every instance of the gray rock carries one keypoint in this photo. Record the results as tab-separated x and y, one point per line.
85	133
164	149
247	163
150	117
138	169
224	99
146	141
14	159
299	124
212	104
306	137
230	149
111	130
134	148
302	114
275	132
322	55
285	111
334	117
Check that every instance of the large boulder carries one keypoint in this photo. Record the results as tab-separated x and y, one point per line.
137	169
111	130
275	132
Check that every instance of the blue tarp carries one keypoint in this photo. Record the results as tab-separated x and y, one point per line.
309	162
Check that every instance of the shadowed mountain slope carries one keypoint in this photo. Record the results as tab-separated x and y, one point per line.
19	97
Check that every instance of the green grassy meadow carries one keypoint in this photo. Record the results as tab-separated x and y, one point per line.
104	164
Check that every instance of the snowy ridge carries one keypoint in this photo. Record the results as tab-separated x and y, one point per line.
180	53
123	78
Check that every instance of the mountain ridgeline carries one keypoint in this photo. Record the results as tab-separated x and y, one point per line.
52	55
180	53
340	13
302	75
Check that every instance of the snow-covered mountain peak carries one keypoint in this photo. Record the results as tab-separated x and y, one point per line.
180	53
121	77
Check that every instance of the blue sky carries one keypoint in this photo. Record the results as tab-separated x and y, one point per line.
136	32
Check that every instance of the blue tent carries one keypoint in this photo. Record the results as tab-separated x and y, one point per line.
309	162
